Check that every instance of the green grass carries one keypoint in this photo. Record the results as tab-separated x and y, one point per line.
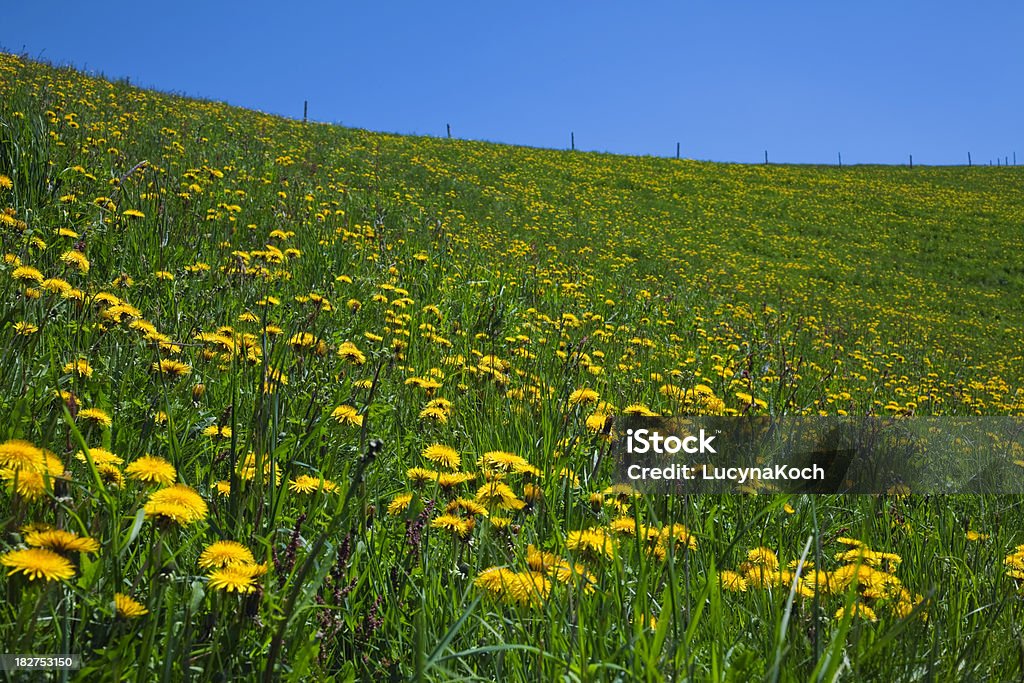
819	290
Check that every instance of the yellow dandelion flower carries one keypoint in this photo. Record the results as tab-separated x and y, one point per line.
503	461
679	534
349	352
496	494
177	503
305	483
760	576
819	581
346	414
152	470
639	409
599	423
570	476
500	460
96	416
763	557
128	607
532	493
851	542
25	329
523	588
732	581
19	454
447	480
434	414
445	456
122	281
562	570
581	396
304	340
28	484
38	563
494	579
111	475
399	504
215	432
862	575
76	259
540	560
499	523
592	541
623	525
421	475
27	274
234	578
494	363
133	213
454	524
467	506
169	367
79	367
528	588
100	456
62	541
248	468
441	404
33	527
426	383
858	611
865	555
225	553
275	377
57	286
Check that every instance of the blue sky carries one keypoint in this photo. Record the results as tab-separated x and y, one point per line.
876	81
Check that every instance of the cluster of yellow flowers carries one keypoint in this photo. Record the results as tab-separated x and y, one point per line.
232	567
870	573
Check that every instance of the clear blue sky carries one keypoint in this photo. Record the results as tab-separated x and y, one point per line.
875	80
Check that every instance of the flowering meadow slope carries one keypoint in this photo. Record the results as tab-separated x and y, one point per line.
284	401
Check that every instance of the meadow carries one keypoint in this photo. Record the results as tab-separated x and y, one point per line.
287	401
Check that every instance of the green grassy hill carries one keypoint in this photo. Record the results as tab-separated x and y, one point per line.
209	314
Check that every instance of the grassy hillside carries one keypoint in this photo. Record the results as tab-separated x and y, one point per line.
323	402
